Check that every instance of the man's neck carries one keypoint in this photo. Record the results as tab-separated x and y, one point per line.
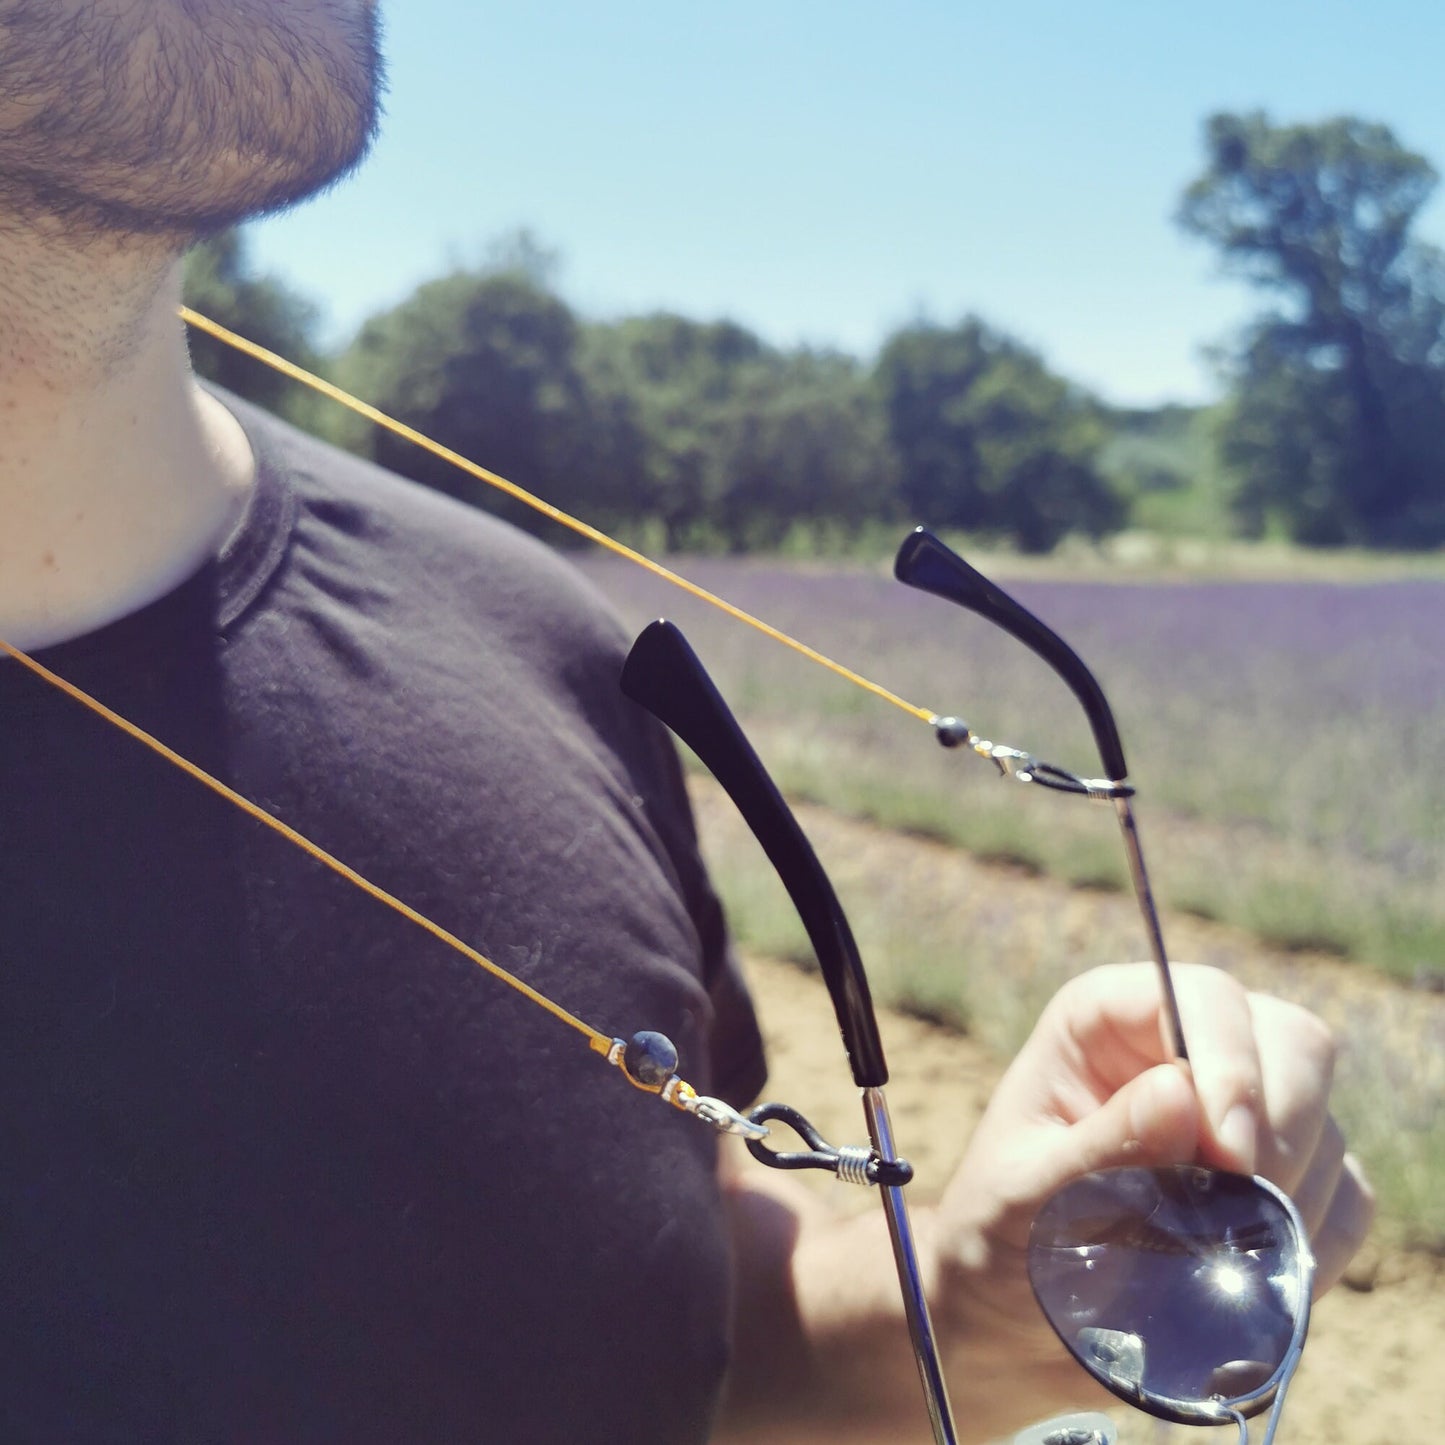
118	476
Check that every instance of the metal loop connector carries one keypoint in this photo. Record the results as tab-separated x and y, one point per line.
1010	762
724	1118
1024	767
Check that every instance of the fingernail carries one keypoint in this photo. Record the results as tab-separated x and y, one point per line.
1239	1135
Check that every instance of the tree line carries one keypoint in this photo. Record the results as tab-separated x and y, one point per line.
704	435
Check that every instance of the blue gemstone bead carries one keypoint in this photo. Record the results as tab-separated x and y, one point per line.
650	1058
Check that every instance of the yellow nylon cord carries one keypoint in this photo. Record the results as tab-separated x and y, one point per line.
380	418
601	1043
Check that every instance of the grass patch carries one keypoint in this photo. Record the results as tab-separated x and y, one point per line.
1290	895
1391	1103
1293	914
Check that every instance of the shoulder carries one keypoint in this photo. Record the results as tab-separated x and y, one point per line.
355	515
501	639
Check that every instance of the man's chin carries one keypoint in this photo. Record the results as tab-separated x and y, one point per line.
228	154
81	214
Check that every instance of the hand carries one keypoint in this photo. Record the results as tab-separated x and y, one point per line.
1094	1087
821	1345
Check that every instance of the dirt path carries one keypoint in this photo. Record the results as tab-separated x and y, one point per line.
1374	1369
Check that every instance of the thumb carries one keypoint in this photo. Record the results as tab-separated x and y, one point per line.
1154	1119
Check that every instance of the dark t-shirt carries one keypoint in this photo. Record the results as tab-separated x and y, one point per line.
278	1166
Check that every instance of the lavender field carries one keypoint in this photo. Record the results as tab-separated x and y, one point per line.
1284	736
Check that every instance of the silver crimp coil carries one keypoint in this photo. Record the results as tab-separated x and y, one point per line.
853	1162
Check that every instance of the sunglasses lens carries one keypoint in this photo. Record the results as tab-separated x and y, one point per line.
1183	1284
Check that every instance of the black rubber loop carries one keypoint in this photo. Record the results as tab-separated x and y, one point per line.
1046	775
891	1173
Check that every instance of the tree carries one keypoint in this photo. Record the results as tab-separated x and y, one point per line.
681	382
989	440
218	282
1336	429
743	442
487	364
809	448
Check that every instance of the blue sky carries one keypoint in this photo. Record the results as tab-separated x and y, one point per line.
824	171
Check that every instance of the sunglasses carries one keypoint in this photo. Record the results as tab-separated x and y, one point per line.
1185	1291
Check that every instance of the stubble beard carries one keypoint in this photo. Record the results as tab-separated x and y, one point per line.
178	118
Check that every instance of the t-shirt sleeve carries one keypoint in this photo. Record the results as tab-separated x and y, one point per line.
591	644
737	1058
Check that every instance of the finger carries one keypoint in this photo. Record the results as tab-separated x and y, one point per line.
1106	1025
1111	1020
1224	1053
1016	1161
1098	1032
1154	1119
1347	1222
1315	1193
1297	1051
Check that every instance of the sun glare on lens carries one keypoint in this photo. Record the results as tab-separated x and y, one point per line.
1228	1280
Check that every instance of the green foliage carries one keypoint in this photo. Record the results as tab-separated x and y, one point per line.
219	284
683	384
811	450
989	440
1163	463
742	443
702	435
1336	429
487	364
696	433
1150	449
